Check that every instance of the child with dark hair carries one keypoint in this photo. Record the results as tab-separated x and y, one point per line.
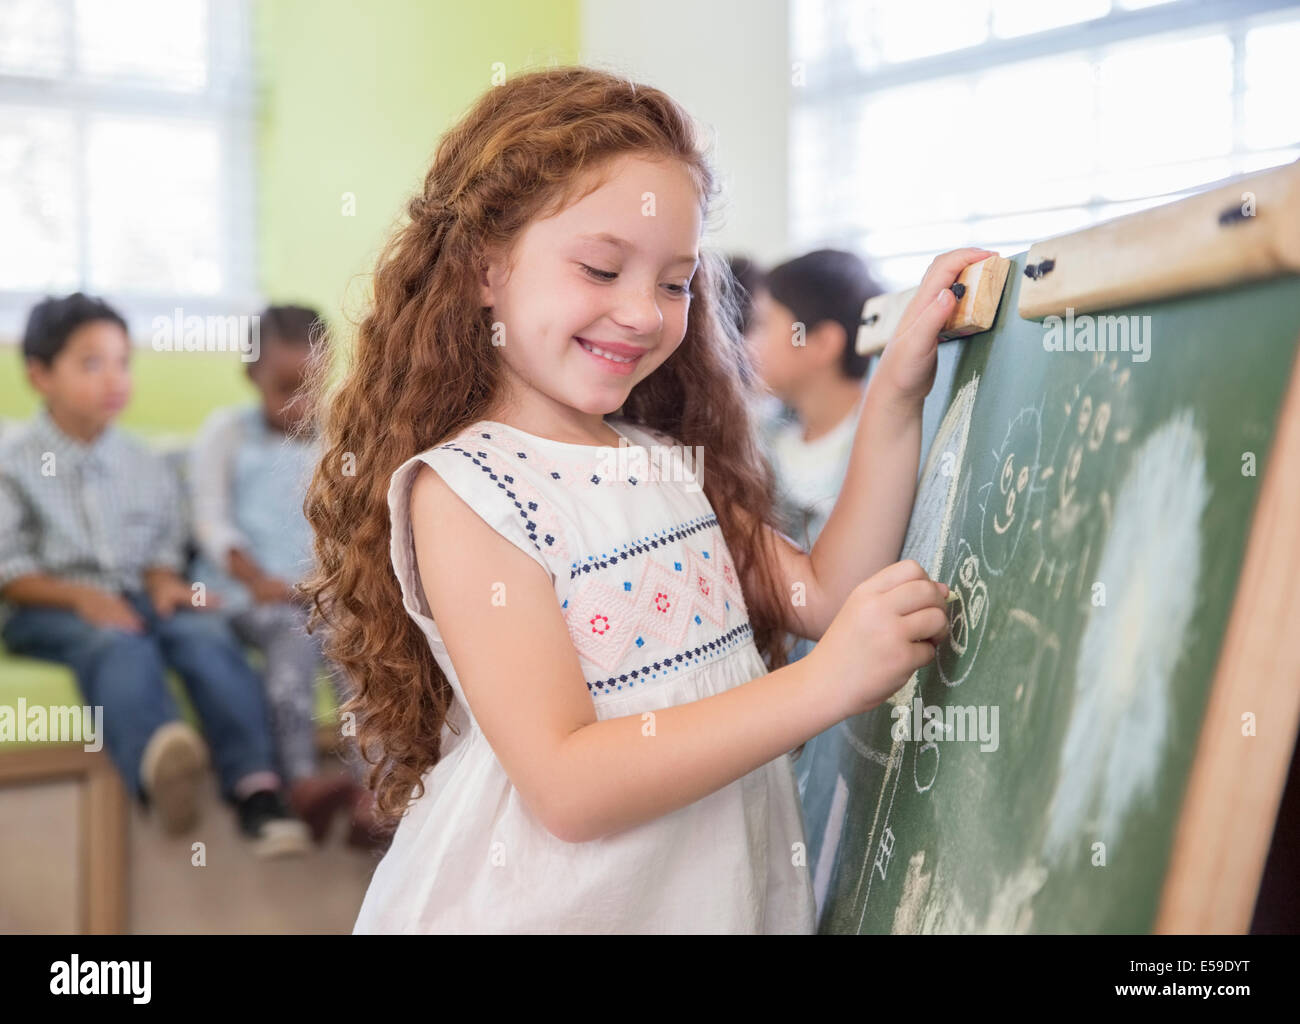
91	555
805	322
747	279
249	470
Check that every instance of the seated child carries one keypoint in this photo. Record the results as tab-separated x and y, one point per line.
91	552
817	375
249	470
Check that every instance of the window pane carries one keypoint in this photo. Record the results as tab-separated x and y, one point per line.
908	29
161	41
1163	103
154	206
1027	165
37	200
998	232
901	272
31	37
915	181
1021	17
1160	181
1272	110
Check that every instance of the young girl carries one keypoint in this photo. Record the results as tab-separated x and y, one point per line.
560	681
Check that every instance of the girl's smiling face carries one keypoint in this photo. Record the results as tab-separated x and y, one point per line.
612	271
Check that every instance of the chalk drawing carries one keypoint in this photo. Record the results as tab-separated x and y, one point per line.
931	906
911	906
930	775
1073	511
1046	643
932	512
1131	646
1006	497
885	852
967	617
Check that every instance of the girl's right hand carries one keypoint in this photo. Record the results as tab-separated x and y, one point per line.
886	630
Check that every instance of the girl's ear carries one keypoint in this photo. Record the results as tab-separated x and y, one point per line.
486	273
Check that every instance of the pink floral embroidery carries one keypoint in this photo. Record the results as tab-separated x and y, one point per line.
602	628
704	586
662	602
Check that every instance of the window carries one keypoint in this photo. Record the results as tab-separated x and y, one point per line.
925	125
126	156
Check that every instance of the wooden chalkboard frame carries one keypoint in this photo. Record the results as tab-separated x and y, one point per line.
1235	786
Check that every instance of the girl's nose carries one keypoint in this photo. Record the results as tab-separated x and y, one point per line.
638	310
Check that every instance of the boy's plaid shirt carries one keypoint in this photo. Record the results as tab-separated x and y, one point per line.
97	514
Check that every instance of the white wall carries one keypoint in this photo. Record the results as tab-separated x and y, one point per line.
727	62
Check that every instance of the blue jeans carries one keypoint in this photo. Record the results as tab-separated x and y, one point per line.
125	674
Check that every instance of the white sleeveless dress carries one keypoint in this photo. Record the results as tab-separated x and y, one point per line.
650	594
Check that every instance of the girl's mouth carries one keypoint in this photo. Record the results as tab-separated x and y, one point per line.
621	365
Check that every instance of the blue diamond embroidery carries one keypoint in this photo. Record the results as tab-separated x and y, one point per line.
677	566
640	642
697	620
706	554
627	585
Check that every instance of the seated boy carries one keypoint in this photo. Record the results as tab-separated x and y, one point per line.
249	470
91	550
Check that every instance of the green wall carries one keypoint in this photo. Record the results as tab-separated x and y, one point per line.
353	98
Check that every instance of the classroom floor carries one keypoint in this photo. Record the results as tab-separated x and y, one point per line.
235	893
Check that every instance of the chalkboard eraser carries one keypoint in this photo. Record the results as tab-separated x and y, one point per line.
978	291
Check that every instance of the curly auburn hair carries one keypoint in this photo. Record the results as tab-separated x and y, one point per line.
423	368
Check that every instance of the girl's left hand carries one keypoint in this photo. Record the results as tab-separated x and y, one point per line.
909	360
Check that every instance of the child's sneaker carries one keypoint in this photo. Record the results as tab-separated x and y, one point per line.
271	829
170	771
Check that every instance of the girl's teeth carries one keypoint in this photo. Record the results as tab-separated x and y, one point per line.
602	352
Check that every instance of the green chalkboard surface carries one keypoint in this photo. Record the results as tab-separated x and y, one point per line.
1092	510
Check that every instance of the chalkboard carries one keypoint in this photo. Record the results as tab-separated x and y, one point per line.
1092	509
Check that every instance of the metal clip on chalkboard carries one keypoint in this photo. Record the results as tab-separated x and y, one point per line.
978	291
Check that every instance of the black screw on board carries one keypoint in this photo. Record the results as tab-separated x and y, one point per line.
1034	271
959	290
867	321
1233	215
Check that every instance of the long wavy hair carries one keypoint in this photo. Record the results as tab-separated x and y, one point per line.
423	368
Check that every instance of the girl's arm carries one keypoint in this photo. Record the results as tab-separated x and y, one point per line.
868	522
582	778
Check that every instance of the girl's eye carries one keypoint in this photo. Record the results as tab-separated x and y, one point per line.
609	275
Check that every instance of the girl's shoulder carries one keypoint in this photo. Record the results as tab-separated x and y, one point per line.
643	434
497	477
